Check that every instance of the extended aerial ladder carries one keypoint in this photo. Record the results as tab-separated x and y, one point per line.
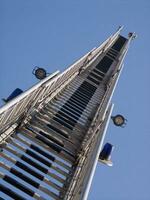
51	135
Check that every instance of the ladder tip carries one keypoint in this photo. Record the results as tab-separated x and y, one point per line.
132	35
120	27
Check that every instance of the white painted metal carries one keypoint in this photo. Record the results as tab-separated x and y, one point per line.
100	139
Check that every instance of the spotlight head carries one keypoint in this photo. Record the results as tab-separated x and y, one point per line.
39	73
119	120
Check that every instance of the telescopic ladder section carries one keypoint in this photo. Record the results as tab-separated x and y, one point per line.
49	142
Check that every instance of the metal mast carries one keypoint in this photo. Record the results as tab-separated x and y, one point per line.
52	134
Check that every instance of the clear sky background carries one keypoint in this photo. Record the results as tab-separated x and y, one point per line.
53	34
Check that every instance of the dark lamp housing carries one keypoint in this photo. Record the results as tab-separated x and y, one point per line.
119	120
39	73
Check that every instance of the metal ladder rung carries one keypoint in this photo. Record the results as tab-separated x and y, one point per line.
53	111
30	181
40	122
42	152
37	157
68	146
29	134
34	164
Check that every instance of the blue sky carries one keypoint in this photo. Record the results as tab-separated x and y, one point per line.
53	34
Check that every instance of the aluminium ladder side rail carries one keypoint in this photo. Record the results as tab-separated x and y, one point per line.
92	155
94	151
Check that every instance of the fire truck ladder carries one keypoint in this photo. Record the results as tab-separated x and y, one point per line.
51	135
